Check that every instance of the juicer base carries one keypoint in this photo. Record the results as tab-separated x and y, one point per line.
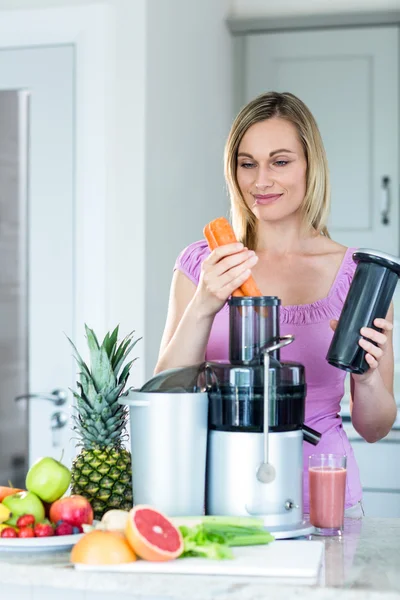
301	529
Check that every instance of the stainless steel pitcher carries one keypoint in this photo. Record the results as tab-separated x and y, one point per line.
168	433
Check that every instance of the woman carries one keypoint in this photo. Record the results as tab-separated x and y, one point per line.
277	176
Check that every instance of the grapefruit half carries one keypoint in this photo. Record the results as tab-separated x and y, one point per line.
152	535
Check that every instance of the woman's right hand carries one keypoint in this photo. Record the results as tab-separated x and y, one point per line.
223	272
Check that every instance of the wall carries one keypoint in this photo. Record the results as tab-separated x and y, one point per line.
188	117
255	8
126	175
172	96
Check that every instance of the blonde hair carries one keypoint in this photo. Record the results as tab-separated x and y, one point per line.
316	203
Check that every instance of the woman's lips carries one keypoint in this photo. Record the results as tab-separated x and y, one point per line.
266	198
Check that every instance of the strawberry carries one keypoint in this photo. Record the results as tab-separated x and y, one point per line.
64	529
9	532
26	532
26	521
43	530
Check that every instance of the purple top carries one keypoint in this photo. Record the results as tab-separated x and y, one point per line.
309	323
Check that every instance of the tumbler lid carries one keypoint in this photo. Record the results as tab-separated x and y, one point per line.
380	258
254	301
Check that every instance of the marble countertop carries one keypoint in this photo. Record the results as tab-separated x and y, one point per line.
363	563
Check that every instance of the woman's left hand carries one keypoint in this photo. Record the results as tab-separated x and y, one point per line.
373	351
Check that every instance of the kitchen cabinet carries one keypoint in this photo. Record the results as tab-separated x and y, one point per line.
349	78
380	476
381	503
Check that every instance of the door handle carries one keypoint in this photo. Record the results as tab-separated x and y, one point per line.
59	420
57	397
385	211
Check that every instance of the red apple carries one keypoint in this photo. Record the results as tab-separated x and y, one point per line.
75	510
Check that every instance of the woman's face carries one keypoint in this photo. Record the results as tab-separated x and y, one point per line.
271	169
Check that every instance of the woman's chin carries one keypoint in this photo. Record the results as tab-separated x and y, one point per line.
274	213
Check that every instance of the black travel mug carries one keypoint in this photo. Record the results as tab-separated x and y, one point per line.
368	298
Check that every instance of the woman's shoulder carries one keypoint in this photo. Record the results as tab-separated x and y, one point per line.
189	261
345	272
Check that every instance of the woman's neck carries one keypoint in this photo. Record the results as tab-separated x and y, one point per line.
283	238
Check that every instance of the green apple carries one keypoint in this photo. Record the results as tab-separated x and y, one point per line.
48	478
24	503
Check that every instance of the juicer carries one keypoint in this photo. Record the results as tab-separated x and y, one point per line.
226	437
256	423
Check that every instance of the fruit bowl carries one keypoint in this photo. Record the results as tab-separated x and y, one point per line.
36	544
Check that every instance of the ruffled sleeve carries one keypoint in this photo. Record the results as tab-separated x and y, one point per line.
190	260
343	280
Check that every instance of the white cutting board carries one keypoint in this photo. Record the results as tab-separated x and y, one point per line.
286	558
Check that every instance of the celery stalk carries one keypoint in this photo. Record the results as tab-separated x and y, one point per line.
218	520
212	537
255	539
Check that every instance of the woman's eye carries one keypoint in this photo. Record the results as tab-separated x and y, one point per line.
281	163
247	165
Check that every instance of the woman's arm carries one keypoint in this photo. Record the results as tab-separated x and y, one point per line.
372	405
192	309
186	330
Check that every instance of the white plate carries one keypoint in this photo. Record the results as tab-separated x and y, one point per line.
56	543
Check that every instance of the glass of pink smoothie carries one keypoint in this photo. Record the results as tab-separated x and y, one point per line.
327	482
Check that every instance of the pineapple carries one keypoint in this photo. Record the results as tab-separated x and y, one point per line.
102	472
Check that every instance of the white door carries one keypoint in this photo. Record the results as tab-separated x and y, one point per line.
47	74
350	81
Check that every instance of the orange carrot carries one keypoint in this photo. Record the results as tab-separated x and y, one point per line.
219	233
8	491
212	244
208	234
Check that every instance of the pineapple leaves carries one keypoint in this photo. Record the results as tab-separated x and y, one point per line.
102	373
78	358
124	375
110	342
99	419
87	388
127	348
114	394
92	339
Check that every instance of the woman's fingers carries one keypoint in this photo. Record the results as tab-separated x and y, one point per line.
235	283
333	324
372	362
223	272
235	260
375	351
221	252
383	324
234	272
230	280
376	336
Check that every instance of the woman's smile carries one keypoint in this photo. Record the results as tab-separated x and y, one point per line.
265	199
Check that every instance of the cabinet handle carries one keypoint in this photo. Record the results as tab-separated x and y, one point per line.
385	200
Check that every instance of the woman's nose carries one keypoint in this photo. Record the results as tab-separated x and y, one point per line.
264	180
263	186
